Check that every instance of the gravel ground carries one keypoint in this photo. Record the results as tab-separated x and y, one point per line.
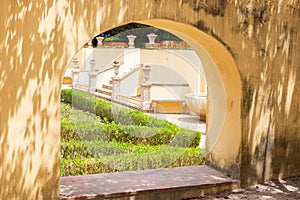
286	189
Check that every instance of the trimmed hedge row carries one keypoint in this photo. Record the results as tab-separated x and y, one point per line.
89	127
97	149
99	137
110	112
164	158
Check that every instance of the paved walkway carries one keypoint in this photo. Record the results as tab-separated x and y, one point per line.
191	122
172	183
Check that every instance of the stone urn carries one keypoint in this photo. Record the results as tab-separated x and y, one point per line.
146	70
116	66
196	102
131	39
152	37
99	40
90	44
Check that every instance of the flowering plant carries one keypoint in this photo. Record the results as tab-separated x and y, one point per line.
116	62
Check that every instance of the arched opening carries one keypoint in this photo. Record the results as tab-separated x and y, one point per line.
224	86
223	134
173	82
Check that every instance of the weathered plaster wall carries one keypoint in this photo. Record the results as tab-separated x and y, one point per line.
38	39
263	38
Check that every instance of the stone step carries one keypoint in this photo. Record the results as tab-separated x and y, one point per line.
131	102
82	87
126	103
102	96
105	91
107	86
169	184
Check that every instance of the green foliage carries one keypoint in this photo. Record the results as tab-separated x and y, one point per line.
66	96
141	157
103	109
99	137
110	112
111	39
73	149
81	125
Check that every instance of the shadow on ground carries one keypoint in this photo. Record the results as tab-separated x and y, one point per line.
287	189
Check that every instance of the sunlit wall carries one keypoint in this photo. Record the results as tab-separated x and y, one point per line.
251	61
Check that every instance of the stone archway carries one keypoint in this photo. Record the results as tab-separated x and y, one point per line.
41	37
224	85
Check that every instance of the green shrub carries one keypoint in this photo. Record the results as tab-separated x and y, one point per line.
66	96
110	138
163	158
69	131
83	166
186	138
111	112
150	136
73	149
111	39
80	125
103	110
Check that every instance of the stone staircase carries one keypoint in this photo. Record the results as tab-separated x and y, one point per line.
105	92
132	102
106	89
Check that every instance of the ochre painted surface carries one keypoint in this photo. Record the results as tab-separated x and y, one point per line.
252	65
169	107
67	80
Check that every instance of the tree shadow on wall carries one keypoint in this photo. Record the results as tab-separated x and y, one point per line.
38	40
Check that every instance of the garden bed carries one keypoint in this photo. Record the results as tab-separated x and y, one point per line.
101	137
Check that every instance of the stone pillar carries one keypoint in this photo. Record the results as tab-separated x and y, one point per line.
92	81
75	74
92	76
146	96
75	63
75	71
131	39
116	81
146	89
92	64
116	87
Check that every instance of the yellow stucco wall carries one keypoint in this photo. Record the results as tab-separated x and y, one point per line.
252	69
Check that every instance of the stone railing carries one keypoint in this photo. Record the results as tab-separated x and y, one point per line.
131	43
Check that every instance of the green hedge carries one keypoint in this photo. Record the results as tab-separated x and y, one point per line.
110	112
73	148
168	157
98	137
89	127
129	134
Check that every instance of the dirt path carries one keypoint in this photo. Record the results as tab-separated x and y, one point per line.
288	189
